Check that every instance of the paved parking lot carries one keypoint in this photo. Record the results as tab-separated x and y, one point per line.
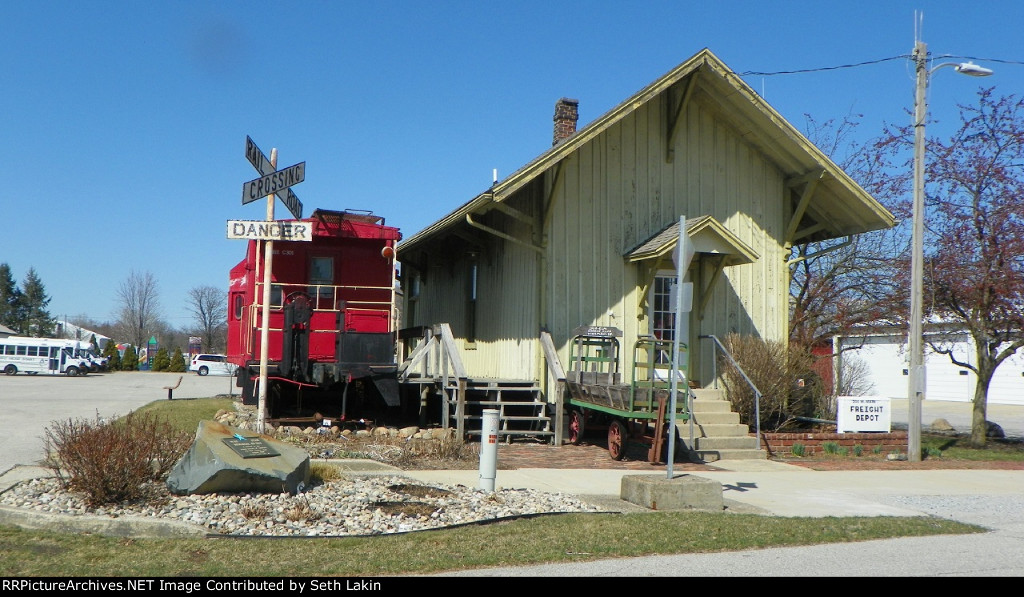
31	403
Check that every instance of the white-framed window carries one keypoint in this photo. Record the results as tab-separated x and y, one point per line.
661	307
321	278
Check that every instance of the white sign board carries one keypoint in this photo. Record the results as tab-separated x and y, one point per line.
855	414
276	230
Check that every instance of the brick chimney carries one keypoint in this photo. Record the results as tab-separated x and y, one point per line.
567	112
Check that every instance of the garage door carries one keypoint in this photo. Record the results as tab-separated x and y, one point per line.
1007	385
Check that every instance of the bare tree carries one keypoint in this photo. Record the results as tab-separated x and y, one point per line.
140	306
838	284
974	272
208	305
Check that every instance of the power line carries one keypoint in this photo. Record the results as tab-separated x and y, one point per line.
820	69
751	73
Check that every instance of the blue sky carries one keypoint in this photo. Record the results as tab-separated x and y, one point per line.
124	122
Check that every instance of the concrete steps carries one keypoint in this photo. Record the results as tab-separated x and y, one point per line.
718	433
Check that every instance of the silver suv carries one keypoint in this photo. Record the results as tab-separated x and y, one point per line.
212	364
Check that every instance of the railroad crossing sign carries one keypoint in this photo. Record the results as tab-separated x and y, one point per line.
282	190
273	183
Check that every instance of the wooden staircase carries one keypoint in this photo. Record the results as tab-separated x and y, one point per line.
718	433
522	410
433	366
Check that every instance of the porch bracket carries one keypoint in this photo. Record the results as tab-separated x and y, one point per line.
805	199
675	117
706	291
848	241
500	234
549	200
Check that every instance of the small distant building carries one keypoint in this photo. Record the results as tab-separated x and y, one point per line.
74	332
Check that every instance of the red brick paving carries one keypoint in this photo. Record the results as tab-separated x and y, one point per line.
587	455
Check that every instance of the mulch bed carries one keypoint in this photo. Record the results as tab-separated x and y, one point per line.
527	453
852	463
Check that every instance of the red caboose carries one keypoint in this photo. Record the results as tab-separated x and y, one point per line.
331	339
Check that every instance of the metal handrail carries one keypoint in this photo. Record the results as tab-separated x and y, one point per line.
757	393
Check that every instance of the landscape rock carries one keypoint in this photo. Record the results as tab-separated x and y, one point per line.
224	459
941	425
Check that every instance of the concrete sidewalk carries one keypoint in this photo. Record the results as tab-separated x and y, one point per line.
769	487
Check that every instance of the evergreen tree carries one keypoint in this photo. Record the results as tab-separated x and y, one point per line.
130	360
10	299
111	352
36	320
177	363
161	362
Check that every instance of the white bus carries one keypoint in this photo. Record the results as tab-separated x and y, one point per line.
41	355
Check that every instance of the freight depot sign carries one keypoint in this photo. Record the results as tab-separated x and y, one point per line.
863	414
274	230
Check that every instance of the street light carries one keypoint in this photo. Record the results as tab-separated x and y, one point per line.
916	381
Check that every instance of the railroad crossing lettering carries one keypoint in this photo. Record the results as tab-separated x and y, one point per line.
274	182
256	157
259	161
272	230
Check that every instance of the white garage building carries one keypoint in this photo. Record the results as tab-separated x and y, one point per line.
884	363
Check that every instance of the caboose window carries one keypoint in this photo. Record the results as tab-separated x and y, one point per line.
321	277
321	270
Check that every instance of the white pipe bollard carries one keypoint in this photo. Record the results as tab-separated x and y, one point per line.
489	449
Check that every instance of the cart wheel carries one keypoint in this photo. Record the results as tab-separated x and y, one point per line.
617	440
576	426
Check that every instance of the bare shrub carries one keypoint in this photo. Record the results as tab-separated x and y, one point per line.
854	376
112	461
785	378
447	447
254	510
322	473
301	512
403	451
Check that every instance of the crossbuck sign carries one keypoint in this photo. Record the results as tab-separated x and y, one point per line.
278	180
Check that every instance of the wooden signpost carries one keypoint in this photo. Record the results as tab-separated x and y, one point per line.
270	183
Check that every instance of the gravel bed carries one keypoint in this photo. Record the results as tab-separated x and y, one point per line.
353	506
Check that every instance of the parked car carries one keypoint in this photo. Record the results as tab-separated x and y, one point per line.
212	364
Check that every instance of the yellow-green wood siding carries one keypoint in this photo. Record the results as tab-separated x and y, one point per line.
613	193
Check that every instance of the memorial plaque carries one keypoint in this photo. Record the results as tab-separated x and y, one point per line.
251	447
597	331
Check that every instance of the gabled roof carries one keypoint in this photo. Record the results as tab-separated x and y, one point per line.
836	207
707	236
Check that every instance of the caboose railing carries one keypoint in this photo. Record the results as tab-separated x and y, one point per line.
330	297
324	298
